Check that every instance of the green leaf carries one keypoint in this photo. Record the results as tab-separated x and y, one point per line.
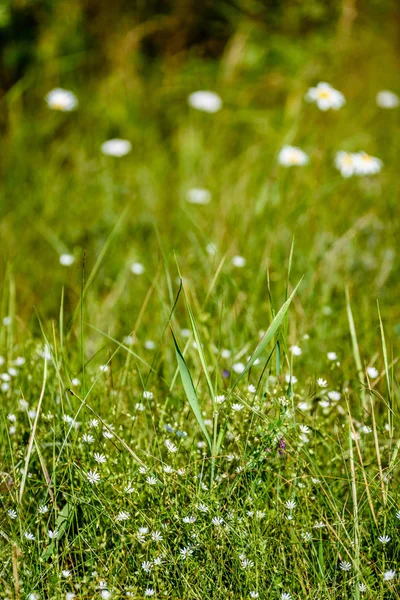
269	334
63	521
190	391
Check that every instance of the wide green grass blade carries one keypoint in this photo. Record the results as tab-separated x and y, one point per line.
269	334
190	391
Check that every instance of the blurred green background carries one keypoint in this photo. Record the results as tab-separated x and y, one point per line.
132	66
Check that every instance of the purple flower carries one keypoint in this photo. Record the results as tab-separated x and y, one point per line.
226	373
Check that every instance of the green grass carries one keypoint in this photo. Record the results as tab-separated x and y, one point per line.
84	330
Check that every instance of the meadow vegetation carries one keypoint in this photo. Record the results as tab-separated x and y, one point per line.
199	313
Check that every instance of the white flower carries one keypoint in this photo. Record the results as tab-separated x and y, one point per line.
237	407
87	438
220	399
151	480
290	379
148	395
290	504
211	248
325	97
7	321
252	389
33	596
384	539
137	268
198	196
389	575
291	156
60	99
66	260
70	596
217	521
147	566
239	261
12	513
29	536
116	147
345	566
170	446
334	396
149	592
372	372
185	552
387	99
246	563
149	345
332	356
99	458
345	162
156	536
322	382
366	164
286	596
43	509
204	508
306	536
66	573
18	362
189	520
75	381
295	350
238	367
105	594
206	101
93	476
123	516
104	368
319	525
253	594
53	534
398	514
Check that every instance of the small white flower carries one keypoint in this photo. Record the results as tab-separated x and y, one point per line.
295	350
290	504
362	587
246	563
319	525
66	260
147	566
87	438
18	362
168	469
189	520
206	101
252	389
398	515
345	566
384	539
43	509
198	196
148	395
12	513
29	536
334	396
306	536
186	552
305	429
204	508
290	379
389	575
238	368
291	156
156	536
99	458
137	268
66	573
253	594
93	423
123	516
211	248
93	477
286	596
149	345
372	372
7	321
237	407
217	521
387	99
53	534
75	381
366	164
70	596
104	368
116	147
325	97
105	594
151	480
170	446
238	261
149	592
332	356
322	382
60	99
345	162
220	399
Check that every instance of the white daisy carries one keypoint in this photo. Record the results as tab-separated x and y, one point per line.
366	164
291	156
345	162
198	196
325	96
99	458
60	99
387	99
345	566
116	147
186	552
93	477
123	516
205	101
372	372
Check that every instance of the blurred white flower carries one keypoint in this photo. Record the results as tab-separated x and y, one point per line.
137	268
322	382
372	372
60	99
116	147
239	261
345	162
295	350
66	260
332	355
206	101
291	156
366	164
387	99
198	196
325	96
238	367
389	575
